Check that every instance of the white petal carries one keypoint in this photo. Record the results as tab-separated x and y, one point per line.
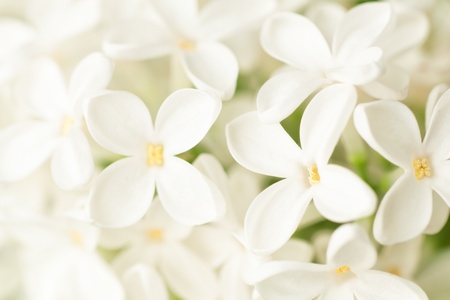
391	129
210	166
342	196
392	84
439	216
350	245
181	17
283	93
295	250
212	67
72	164
360	28
440	179
232	285
143	282
324	120
436	139
263	148
24	147
219	19
186	194
120	122
91	75
432	100
274	215
122	193
326	16
184	118
187	275
338	292
374	284
291	280
284	36
42	88
129	41
405	211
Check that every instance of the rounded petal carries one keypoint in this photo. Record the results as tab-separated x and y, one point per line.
350	245
144	282
283	93
263	148
187	195
122	193
326	16
232	285
432	100
405	211
372	284
440	179
360	28
128	41
181	17
436	139
184	119
342	196
274	215
324	121
212	67
91	75
392	84
295	250
291	280
178	265
284	36
391	129
72	163
119	122
439	217
24	147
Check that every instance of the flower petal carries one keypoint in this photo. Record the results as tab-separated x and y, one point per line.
360	28
122	193
295	250
324	120
143	282
326	16
212	67
128	41
391	129
439	216
119	122
72	164
187	195
184	119
24	147
263	148
372	284
291	280
232	285
342	196
350	245
91	75
284	36
440	179
432	100
274	215
181	17
283	93
405	211
178	265
392	84
436	139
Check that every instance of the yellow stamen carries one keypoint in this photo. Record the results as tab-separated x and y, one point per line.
66	125
76	238
155	155
186	45
314	177
342	270
421	168
155	235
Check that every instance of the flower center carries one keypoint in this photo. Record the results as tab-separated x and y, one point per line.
66	125
155	155
76	238
186	45
155	235
342	270
314	177
421	168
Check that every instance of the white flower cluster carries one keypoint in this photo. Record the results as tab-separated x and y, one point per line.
289	190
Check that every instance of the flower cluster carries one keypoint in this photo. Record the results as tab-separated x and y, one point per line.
224	149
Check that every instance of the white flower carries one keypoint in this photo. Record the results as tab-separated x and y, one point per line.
418	200
339	195
346	276
123	192
193	36
56	132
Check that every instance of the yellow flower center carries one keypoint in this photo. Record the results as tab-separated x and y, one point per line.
155	155
314	177
186	45
66	125
421	168
342	270
76	238
155	235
